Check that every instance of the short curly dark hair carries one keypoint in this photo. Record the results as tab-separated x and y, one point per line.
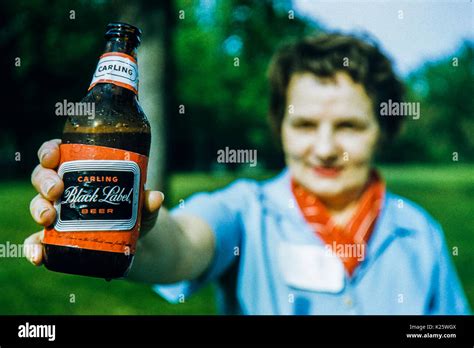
324	55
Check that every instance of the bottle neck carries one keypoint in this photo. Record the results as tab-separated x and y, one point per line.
122	45
117	70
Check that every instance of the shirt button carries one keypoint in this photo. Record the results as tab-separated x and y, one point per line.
348	301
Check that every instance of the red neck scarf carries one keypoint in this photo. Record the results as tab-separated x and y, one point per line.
347	242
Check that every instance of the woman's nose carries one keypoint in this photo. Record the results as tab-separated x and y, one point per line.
324	145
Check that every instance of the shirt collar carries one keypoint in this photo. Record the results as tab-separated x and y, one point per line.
277	199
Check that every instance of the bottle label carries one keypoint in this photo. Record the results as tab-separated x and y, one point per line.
117	68
98	196
100	207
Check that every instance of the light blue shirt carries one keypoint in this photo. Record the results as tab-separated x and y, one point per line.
407	267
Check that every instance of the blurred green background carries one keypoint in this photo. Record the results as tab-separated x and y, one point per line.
446	192
225	105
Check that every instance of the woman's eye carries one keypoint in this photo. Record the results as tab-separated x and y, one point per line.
303	125
349	125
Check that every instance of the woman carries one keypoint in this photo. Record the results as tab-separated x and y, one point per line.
324	236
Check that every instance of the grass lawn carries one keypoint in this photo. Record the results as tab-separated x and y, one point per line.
446	192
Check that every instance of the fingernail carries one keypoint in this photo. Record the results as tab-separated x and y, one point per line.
42	211
47	186
162	196
36	254
43	155
32	257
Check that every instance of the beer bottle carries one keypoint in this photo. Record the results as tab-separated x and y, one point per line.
103	166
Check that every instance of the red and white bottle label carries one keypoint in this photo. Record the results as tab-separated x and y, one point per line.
117	68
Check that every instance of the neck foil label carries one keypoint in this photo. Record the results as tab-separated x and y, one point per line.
117	68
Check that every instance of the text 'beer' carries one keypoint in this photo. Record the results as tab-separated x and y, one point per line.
103	165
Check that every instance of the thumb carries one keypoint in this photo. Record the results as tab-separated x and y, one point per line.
151	206
153	201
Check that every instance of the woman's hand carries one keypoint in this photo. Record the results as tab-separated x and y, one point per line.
49	185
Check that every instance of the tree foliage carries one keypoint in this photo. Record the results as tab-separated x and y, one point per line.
217	94
445	128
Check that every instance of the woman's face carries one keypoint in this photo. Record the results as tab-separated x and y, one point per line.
329	135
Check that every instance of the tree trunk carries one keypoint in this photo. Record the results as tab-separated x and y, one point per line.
153	18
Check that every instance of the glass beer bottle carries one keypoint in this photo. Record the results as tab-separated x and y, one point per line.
103	166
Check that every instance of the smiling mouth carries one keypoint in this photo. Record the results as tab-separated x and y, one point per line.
328	172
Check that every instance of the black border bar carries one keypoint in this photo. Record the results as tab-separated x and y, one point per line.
242	330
